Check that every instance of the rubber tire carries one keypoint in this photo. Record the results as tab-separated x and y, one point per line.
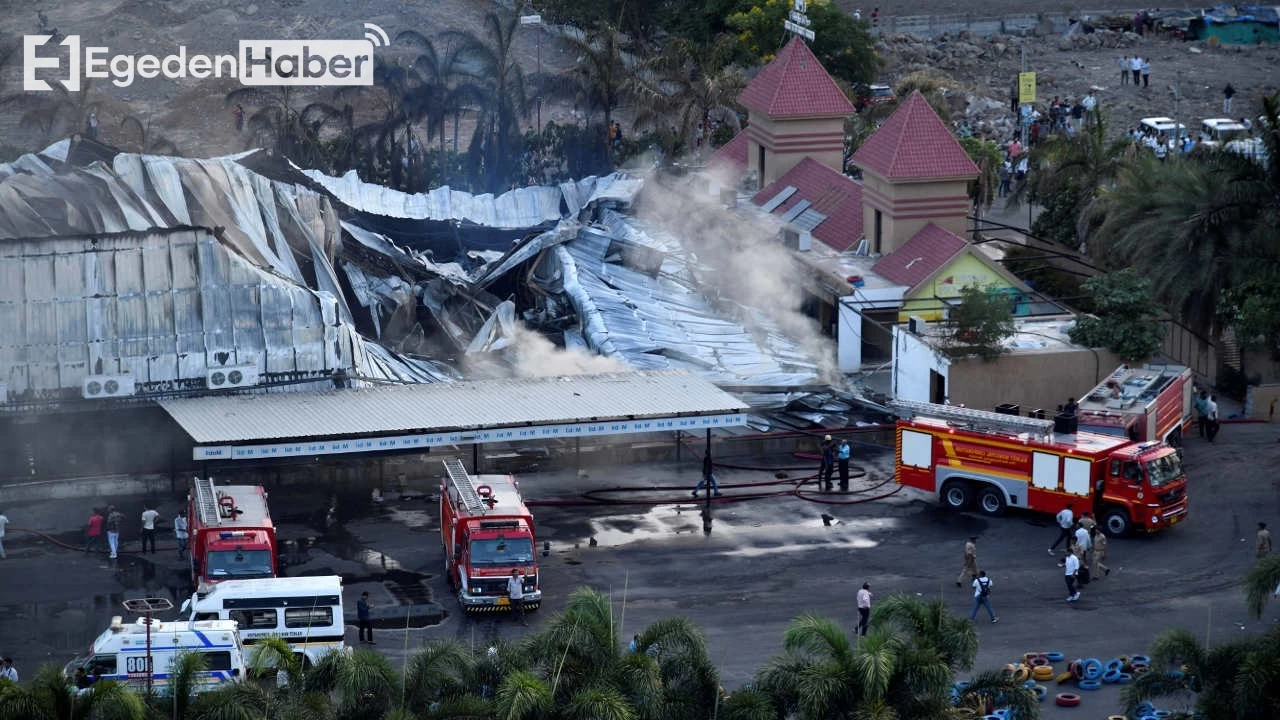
956	495
1055	656
1140	659
1124	679
1110	677
1042	692
1022	673
1064	677
991	501
1042	672
1067	700
1113	665
1116	523
1091	669
1089	684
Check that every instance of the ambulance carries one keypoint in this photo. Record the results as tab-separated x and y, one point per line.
120	653
305	612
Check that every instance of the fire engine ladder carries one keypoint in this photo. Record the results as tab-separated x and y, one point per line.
982	420
207	502
462	485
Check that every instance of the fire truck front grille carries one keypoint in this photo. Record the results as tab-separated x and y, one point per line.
488	586
1172	496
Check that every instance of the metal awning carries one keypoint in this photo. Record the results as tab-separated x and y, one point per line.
409	417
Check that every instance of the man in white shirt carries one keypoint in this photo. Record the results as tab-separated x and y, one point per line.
1124	70
1066	520
982	597
180	532
3	522
1135	66
1211	413
1072	567
8	671
864	608
515	591
149	517
1083	542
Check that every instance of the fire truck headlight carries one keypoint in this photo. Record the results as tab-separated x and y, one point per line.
1155	519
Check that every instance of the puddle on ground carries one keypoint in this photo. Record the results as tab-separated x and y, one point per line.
755	538
413	518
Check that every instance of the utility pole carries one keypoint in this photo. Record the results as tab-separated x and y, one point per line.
1176	89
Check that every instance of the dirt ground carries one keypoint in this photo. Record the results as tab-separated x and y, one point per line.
195	116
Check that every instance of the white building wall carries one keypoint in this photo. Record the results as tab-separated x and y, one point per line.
848	337
912	360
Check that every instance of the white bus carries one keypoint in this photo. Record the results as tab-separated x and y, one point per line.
305	612
120	652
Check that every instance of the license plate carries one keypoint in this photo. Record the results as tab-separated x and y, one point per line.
504	601
1174	520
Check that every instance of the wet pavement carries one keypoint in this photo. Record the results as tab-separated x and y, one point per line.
765	561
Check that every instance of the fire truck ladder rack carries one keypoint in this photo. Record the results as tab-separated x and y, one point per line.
462	485
981	420
207	502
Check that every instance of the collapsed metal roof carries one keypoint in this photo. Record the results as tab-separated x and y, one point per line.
170	269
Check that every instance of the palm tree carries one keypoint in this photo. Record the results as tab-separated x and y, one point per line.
586	674
57	112
148	142
1239	680
690	82
47	696
293	132
1261	583
494	67
1069	173
599	78
445	91
364	682
987	156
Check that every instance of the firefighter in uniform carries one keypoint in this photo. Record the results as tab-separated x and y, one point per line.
1099	553
970	571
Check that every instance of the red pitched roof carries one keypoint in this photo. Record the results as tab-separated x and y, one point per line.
927	252
830	193
731	156
795	84
914	143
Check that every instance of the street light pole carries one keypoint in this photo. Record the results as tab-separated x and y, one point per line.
706	479
537	21
147	606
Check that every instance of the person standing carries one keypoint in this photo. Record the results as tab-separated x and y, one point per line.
1124	70
864	608
515	591
1066	520
8	671
1264	541
1228	92
181	533
1135	67
1087	522
970	569
93	532
1082	544
1146	73
842	456
1211	413
982	596
1099	540
149	516
1202	411
1071	568
113	521
364	622
828	463
237	113
4	522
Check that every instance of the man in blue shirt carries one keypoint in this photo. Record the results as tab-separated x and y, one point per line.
842	456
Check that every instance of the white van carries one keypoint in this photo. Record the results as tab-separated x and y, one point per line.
1162	126
120	652
1215	132
305	612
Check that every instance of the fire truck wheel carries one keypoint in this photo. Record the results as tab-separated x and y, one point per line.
1116	521
957	495
991	501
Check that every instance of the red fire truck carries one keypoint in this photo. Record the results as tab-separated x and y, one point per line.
1153	402
487	532
232	536
1000	461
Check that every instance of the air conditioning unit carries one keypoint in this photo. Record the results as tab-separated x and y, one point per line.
107	386
917	324
232	376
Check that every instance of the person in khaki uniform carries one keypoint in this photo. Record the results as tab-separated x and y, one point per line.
970	570
1099	553
1087	522
1264	540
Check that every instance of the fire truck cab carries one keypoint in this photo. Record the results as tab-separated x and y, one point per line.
996	461
232	536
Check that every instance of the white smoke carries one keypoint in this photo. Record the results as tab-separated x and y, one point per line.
749	265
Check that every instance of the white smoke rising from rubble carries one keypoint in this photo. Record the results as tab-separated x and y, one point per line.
750	266
526	353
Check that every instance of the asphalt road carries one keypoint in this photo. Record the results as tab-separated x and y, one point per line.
765	562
